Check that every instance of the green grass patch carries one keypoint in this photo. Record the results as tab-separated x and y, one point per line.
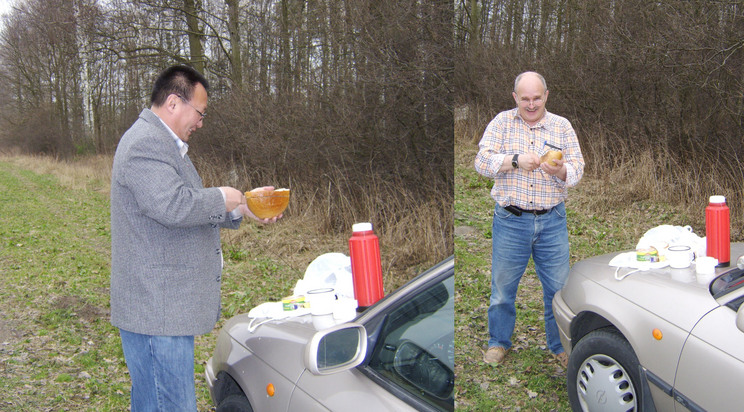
63	377
58	348
54	260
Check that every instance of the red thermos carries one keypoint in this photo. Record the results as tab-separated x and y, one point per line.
717	230
366	267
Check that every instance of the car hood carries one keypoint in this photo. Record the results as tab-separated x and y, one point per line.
280	342
672	294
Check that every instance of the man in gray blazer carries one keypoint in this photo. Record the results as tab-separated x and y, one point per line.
166	256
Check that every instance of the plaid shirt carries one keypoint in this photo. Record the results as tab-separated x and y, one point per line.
508	134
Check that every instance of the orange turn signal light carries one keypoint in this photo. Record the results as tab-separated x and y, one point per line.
270	389
657	334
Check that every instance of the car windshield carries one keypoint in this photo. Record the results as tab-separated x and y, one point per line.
415	350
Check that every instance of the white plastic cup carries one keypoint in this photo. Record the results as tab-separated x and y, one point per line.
705	269
321	322
345	309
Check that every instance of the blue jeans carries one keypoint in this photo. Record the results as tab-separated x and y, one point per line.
162	371
515	239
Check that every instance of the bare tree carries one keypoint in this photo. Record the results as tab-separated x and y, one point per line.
358	91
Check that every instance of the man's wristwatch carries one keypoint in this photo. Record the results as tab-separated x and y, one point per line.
515	163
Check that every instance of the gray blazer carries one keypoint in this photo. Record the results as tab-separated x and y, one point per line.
166	257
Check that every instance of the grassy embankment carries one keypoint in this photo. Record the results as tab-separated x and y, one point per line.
57	348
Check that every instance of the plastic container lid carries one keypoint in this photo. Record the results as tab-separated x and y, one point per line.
361	227
718	199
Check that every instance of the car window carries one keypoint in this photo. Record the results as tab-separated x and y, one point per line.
727	283
415	348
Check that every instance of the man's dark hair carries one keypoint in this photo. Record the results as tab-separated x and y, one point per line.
178	79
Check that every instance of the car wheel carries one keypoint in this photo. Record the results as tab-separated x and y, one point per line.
603	373
235	403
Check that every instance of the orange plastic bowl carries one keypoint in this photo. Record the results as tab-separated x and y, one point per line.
266	204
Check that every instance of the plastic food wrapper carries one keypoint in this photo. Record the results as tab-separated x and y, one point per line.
294	303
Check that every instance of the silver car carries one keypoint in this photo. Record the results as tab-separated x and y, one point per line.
397	355
655	340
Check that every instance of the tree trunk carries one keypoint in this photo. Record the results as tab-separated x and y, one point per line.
197	58
236	60
83	49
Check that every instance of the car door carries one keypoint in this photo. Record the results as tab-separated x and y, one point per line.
410	358
413	354
711	365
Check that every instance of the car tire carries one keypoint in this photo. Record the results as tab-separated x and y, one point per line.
603	374
235	403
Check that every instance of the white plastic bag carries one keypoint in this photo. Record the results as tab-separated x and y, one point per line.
274	310
663	236
269	311
628	260
330	270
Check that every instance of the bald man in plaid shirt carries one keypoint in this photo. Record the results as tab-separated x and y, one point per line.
530	216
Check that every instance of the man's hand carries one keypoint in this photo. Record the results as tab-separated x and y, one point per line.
528	161
247	212
233	198
559	170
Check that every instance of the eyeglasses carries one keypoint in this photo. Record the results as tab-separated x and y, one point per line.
527	101
203	115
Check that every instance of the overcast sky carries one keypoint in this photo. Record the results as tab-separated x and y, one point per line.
4	8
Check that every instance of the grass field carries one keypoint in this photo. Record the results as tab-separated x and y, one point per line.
58	351
601	219
57	348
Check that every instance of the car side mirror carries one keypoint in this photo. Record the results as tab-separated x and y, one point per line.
423	370
335	349
740	318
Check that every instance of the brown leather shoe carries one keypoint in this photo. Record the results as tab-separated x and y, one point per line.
562	358
495	354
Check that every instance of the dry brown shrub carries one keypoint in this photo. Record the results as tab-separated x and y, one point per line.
624	174
87	172
414	234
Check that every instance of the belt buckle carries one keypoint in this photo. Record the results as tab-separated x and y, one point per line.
542	211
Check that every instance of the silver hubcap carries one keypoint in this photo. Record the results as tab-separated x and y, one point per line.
603	385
